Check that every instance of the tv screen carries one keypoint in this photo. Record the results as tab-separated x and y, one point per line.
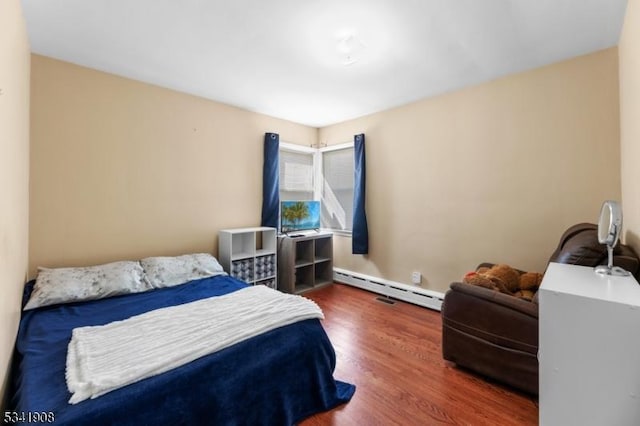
299	215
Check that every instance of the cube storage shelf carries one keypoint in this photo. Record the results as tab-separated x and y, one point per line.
250	254
305	262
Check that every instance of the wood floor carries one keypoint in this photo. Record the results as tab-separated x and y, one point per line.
392	354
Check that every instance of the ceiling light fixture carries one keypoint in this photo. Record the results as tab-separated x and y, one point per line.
350	48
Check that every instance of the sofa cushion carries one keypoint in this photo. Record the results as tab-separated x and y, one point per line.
493	316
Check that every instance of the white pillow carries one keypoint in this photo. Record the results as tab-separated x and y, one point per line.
169	271
66	285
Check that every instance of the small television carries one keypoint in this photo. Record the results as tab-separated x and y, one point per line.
299	216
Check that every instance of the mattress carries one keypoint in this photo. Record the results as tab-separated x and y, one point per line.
277	378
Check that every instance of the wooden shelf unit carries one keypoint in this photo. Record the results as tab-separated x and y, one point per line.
305	262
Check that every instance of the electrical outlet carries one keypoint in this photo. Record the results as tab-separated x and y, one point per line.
416	277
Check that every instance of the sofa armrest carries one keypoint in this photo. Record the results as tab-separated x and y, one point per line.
492	316
492	296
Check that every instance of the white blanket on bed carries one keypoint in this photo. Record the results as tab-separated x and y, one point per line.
104	358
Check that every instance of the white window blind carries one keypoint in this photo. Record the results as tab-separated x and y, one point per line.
296	176
337	189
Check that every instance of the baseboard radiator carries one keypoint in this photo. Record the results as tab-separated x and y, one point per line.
407	293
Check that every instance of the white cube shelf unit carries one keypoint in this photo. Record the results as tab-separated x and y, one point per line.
250	254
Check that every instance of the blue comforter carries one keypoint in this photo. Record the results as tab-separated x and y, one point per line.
277	378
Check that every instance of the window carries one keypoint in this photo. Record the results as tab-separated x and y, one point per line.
296	175
337	189
324	174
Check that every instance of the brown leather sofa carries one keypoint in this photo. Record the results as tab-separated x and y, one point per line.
496	334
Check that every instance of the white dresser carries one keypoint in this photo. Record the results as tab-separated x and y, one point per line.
589	348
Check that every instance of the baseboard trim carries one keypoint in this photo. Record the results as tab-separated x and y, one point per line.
407	293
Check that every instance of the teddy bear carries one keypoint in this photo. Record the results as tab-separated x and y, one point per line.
529	283
506	279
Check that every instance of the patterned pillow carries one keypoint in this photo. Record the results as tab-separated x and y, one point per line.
169	271
67	285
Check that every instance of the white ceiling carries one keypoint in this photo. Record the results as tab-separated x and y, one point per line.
283	57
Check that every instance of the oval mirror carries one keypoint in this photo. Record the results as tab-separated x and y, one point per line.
609	228
610	223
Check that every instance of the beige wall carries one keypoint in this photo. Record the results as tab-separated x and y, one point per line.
14	174
629	53
122	169
493	172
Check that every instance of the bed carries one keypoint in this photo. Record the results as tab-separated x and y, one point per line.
277	378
